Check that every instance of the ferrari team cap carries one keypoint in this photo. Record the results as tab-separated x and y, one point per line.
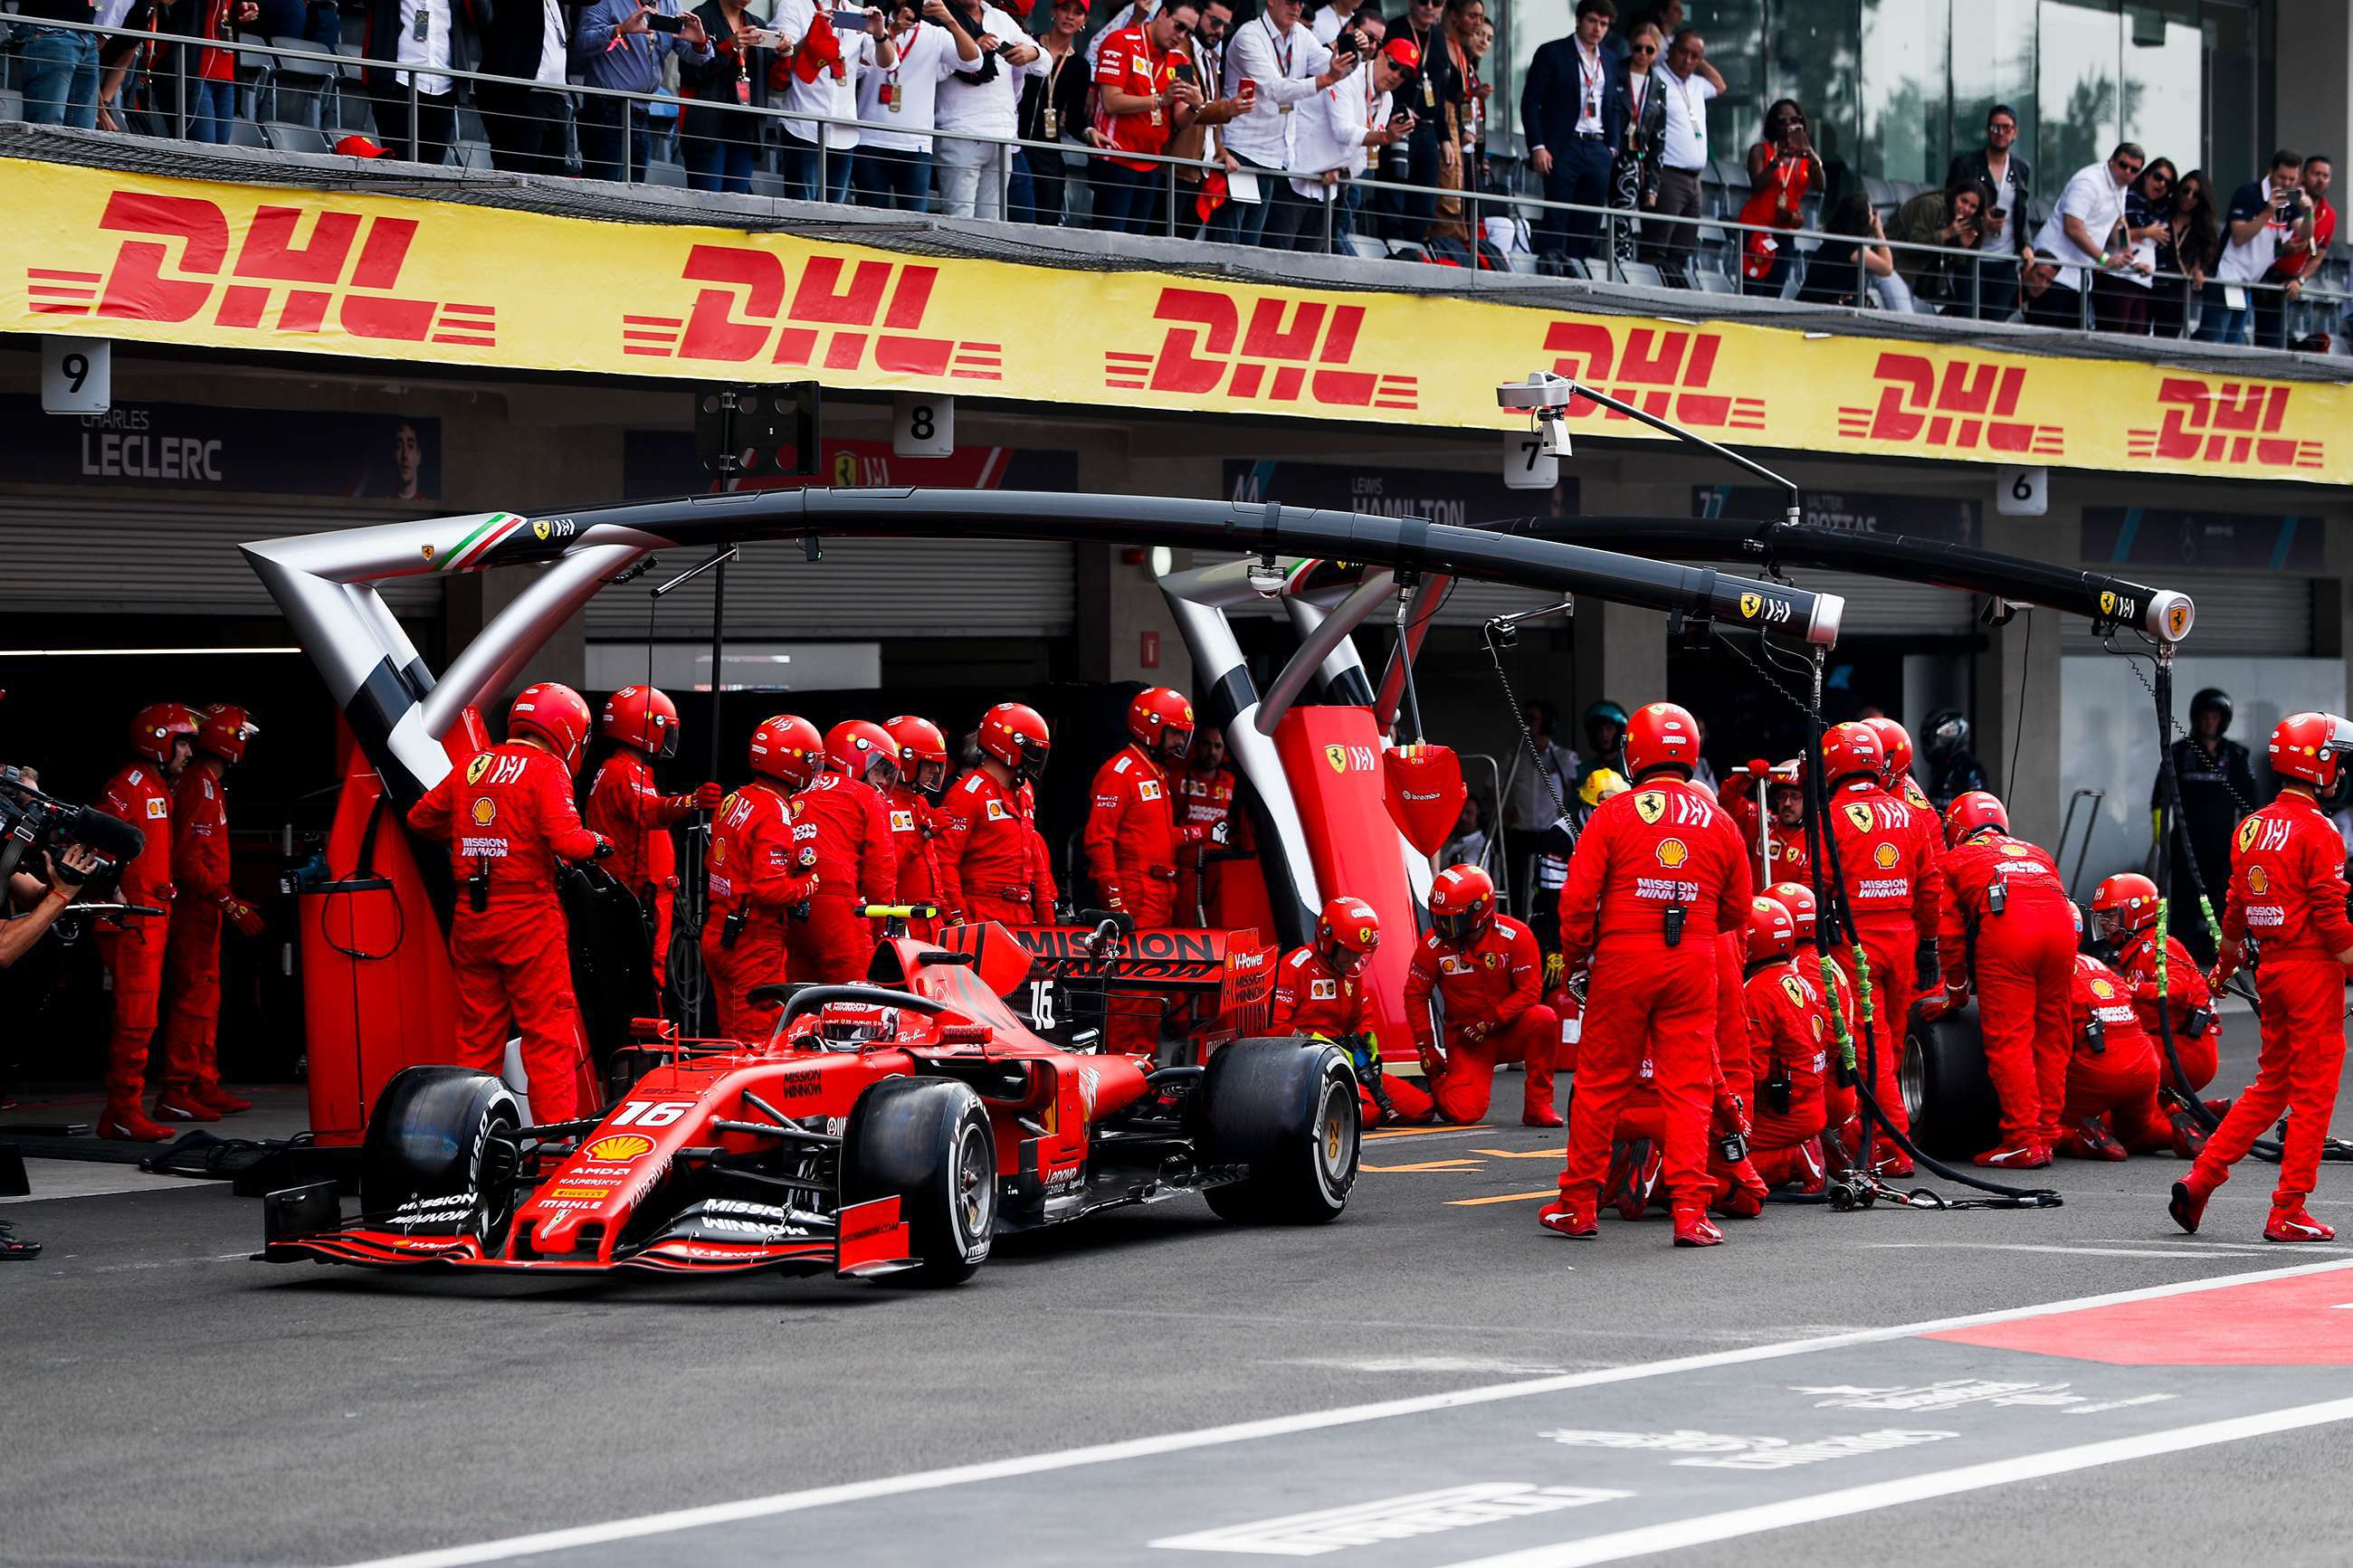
1403	53
361	147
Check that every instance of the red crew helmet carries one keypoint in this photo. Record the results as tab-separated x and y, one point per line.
1347	934
1895	741
1772	931
223	729
1016	736
1798	899
556	714
2125	902
1850	749
922	751
859	748
642	717
2308	745
154	728
1973	813
1661	735
1461	903
1162	721
787	747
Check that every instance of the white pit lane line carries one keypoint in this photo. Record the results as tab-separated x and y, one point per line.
671	1521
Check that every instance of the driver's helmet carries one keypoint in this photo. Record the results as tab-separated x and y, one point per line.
853	1023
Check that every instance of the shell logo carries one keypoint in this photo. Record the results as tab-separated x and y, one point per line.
2103	989
2013	849
1885	856
2257	881
619	1148
1673	853
484	811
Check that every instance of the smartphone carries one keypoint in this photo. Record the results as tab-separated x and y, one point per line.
1247	88
1185	70
658	23
1997	213
849	21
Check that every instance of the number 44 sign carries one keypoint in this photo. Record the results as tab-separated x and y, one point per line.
76	375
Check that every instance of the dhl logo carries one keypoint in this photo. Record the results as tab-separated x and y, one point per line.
1971	405
1653	370
177	265
2232	422
1292	351
841	315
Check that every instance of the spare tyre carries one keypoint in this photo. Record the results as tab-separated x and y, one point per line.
1947	1093
440	1156
1286	1112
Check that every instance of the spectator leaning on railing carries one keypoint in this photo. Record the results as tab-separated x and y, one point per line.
1953	218
2012	179
894	165
1139	100
719	146
1340	123
525	38
411	34
1283	65
1201	138
1436	89
1687	86
974	177
2187	245
2264	215
2085	234
2148	204
1639	97
620	46
60	65
1573	133
212	106
837	50
2297	259
1054	109
1831	272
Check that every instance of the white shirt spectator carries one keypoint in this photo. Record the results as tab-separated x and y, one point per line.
1328	22
1684	145
2248	263
1592	87
2093	198
837	99
1330	130
926	56
431	52
554	50
991	108
1530	800
1284	66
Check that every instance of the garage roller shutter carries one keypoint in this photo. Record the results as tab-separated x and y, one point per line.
2261	613
864	588
120	553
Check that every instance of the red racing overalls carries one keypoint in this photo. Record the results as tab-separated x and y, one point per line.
1207	800
2113	1074
1489	989
913	823
857	864
993	865
133	947
1887	854
2007	915
2185	993
1789	1037
1310	999
756	871
626	806
200	881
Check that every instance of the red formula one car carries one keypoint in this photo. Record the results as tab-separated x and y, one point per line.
892	1127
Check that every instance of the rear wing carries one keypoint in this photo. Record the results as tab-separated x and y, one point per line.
1233	964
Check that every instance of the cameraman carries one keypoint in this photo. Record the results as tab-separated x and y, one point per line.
2264	215
43	902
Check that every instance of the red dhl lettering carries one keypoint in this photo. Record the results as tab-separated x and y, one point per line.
1662	373
1969	407
1293	351
173	271
2223	421
841	314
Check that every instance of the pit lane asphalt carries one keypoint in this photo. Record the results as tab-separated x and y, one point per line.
167	1401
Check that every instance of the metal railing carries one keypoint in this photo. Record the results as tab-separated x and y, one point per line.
1606	233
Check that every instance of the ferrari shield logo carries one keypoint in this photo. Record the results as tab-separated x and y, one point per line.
1491	959
426	550
2247	831
477	768
1795	989
2177	619
2107	601
1749	605
539	529
1337	755
1860	816
1651	806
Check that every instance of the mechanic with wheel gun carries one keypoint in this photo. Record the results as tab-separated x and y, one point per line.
1838	995
760	874
200	878
993	863
1317	991
913	807
842	815
133	949
2124	933
1486	970
2112	1108
1657	878
1790	1038
627	807
1133	840
2286	892
2007	917
508	816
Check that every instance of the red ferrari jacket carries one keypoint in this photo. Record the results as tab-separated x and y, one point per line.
508	813
2099	992
1308	999
2287	882
140	797
1209	799
1887	851
1132	834
855	857
2032	895
1496	978
200	833
1789	1035
913	823
990	846
752	859
2186	989
1642	853
625	806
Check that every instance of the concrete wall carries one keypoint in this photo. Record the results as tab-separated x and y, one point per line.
2313	107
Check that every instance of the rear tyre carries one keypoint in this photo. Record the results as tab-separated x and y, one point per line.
927	1142
439	1157
1946	1090
1287	1111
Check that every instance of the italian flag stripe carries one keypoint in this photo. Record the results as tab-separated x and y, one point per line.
471	548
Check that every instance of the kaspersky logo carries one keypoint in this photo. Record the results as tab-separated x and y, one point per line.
839	313
297	270
1662	371
1291	353
1971	407
2234	422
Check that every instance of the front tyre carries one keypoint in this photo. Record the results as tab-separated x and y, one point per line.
1287	1111
927	1142
439	1158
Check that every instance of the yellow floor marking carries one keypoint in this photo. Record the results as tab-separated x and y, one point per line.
1430	1165
1501	1198
1389	1133
1521	1154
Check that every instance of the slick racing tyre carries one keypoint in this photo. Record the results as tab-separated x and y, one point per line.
927	1142
1946	1091
439	1155
1287	1111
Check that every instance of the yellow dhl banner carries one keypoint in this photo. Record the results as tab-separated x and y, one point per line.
112	255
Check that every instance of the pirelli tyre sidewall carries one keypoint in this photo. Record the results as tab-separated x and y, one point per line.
927	1142
1287	1112
1946	1090
439	1135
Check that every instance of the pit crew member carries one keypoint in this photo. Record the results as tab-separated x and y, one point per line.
993	863
1791	1038
1486	969
2123	924
130	946
913	807
1829	977
627	807
201	902
759	874
2112	1108
841	814
1319	990
1204	790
